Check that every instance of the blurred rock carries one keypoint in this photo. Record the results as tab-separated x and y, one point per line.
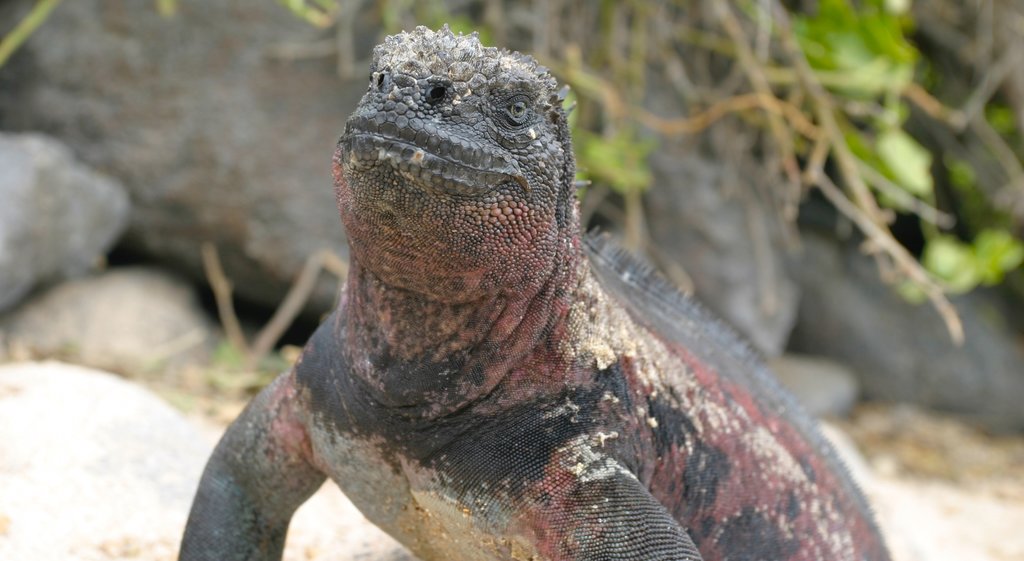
132	320
824	387
57	216
215	138
98	469
902	352
703	217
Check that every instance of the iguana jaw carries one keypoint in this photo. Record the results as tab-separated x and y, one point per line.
427	158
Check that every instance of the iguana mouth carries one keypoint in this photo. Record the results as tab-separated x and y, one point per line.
428	158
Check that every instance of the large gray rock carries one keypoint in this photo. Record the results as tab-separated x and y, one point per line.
132	319
216	140
902	352
703	215
57	216
93	468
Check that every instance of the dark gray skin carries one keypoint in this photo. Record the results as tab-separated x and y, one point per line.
492	386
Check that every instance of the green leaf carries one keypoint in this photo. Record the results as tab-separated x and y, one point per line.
619	160
858	49
1002	118
952	261
996	253
961	173
986	261
908	161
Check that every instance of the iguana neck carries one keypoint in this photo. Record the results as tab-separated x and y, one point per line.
431	358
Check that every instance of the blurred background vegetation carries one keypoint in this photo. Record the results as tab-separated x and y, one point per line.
716	138
832	83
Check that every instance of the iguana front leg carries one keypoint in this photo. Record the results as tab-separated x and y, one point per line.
258	475
611	518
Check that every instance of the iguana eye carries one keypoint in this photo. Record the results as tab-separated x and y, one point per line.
516	111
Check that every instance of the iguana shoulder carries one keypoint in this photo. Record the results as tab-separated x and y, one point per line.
683	322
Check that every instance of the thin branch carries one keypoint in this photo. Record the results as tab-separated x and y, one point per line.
933	107
990	82
905	200
25	27
222	294
292	305
345	39
745	102
865	213
755	75
901	257
825	113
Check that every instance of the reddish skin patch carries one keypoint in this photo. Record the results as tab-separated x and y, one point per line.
664	475
737	491
287	425
513	241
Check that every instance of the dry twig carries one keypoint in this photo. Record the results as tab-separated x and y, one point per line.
744	102
222	289
901	257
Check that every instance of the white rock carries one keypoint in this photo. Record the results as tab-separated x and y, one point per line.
95	468
91	467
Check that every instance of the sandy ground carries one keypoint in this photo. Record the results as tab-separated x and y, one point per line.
942	490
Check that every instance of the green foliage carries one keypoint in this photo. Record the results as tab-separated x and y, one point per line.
620	160
973	207
861	53
992	253
167	8
1001	118
862	48
320	13
985	261
906	161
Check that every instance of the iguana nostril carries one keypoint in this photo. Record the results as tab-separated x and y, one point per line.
435	94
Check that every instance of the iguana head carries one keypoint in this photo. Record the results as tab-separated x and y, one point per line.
454	176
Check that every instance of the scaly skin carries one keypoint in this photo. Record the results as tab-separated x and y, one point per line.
492	386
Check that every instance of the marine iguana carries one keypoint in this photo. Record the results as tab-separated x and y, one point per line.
493	385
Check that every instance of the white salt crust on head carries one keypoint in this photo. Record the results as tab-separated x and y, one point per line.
423	53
